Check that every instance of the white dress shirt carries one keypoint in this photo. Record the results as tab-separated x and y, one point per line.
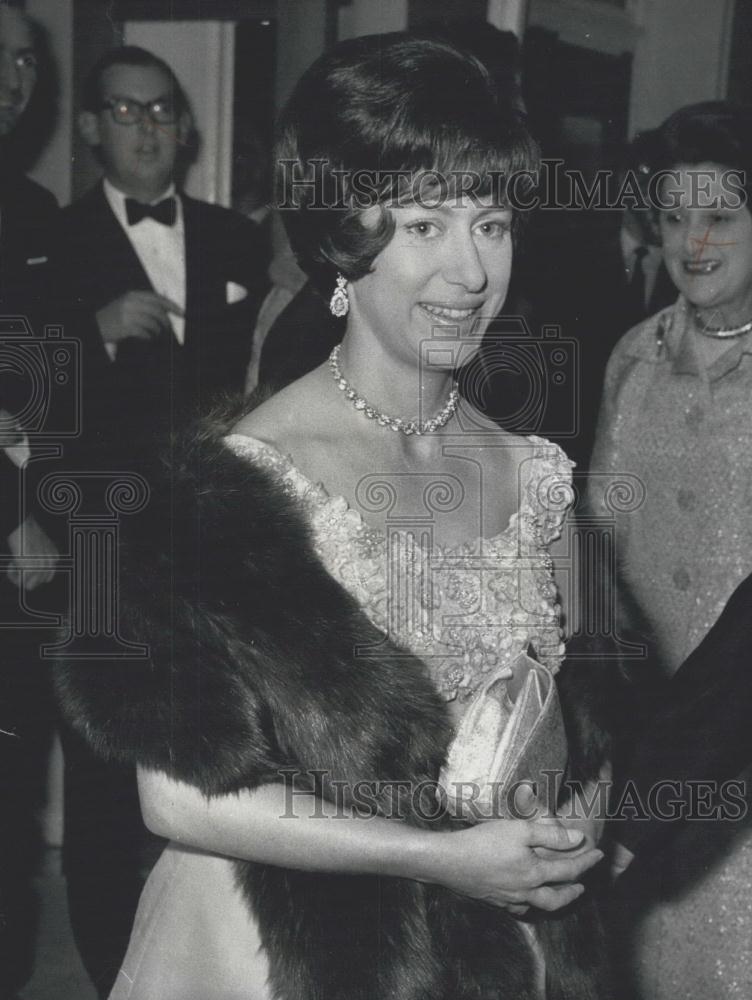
161	250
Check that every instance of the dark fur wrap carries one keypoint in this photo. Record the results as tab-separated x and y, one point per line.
252	670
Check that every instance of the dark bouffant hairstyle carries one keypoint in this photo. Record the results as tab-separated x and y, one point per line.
129	55
368	122
711	132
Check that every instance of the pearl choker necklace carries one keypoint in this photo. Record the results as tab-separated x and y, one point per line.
721	332
383	419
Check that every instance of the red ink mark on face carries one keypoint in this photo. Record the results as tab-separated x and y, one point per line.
169	130
171	134
705	241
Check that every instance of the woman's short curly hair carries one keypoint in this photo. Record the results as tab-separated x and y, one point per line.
717	132
375	120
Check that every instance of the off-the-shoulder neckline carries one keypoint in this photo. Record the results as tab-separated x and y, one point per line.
340	502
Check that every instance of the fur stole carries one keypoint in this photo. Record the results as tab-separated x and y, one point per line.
252	670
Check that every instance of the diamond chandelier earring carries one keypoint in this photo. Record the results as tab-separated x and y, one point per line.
339	304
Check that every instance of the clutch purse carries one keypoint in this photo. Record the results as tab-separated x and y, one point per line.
512	732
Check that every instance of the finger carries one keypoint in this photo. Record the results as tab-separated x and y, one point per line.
163	302
10	435
555	897
154	310
143	333
30	580
517	909
566	869
621	857
525	801
554	836
547	854
147	327
37	578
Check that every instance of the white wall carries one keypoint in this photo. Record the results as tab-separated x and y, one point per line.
586	23
681	57
680	47
364	17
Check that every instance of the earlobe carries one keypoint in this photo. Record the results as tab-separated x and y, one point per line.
88	126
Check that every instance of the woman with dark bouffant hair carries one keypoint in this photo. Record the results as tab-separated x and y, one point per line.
354	611
676	418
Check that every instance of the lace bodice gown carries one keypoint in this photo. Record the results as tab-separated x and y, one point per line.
466	611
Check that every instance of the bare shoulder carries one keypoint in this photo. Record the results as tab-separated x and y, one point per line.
499	450
477	425
282	419
263	421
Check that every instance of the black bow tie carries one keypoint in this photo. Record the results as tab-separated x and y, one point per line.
164	211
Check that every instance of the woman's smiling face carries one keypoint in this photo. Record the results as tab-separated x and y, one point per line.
444	273
707	245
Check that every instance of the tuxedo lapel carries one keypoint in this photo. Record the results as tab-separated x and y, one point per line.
194	268
145	372
112	257
221	252
27	214
210	326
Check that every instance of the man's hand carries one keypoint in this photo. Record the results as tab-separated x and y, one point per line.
621	859
11	434
136	314
31	540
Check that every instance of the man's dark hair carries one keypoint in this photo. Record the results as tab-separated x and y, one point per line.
129	55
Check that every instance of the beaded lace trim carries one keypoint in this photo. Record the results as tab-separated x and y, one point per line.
465	610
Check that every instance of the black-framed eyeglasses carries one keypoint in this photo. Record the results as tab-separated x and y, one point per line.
129	111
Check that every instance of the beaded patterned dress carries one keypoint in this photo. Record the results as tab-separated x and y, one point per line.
681	429
466	611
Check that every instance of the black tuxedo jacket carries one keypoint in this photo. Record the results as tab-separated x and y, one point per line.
27	212
154	384
27	215
703	731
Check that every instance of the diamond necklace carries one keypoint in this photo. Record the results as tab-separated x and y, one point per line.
383	419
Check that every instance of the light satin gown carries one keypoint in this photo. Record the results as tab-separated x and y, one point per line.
467	612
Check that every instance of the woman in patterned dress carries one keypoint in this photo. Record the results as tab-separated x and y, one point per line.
676	419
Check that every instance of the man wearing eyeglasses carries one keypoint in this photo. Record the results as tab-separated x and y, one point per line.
169	284
172	283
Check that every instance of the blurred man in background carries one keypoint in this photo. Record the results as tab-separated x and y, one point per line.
27	553
168	286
